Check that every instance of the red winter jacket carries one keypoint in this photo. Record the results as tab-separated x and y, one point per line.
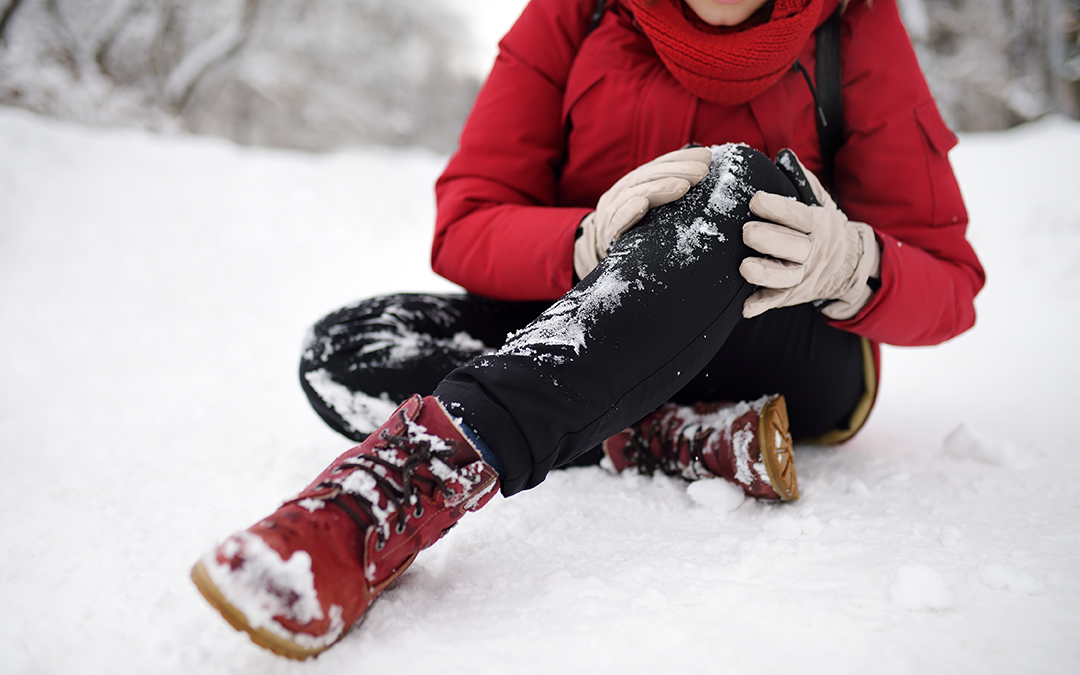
562	117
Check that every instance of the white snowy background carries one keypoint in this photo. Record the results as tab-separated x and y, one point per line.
154	291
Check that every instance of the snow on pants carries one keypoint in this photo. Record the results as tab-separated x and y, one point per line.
659	319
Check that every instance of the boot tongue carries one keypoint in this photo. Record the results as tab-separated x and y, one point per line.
411	459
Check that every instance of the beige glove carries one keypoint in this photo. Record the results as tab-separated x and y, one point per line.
662	180
815	252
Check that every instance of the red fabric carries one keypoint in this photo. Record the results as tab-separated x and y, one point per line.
734	66
559	121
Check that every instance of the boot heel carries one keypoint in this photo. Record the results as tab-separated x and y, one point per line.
774	440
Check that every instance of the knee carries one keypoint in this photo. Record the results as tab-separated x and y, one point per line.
737	173
707	221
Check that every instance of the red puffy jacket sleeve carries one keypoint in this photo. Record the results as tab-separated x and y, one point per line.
893	173
498	231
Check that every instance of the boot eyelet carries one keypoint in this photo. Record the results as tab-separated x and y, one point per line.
380	545
399	528
418	512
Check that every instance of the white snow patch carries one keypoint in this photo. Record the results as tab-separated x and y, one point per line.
740	443
263	585
1000	577
293	237
858	487
782	526
966	443
689	238
312	505
787	526
716	495
567	322
363	413
730	165
920	587
950	536
362	484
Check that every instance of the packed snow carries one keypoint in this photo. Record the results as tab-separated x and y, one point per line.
265	586
154	296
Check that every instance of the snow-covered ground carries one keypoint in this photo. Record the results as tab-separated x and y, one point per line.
154	292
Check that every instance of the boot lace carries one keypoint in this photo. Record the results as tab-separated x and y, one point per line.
667	436
419	452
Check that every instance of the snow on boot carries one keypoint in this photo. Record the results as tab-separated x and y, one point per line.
298	580
747	443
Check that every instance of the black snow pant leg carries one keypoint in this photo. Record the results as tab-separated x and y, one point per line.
361	361
790	351
637	330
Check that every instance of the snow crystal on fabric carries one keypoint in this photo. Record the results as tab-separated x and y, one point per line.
563	330
362	484
731	187
690	239
312	505
263	586
400	345
740	442
465	478
566	323
361	412
695	223
391	342
746	471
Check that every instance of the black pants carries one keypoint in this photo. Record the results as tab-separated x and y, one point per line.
658	320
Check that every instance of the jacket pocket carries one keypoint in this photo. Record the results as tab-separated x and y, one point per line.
948	204
585	73
937	133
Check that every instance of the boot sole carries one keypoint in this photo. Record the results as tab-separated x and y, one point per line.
774	442
260	636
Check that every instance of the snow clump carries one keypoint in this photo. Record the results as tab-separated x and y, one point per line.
965	443
920	587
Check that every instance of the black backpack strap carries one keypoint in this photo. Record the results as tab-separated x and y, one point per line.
830	121
598	13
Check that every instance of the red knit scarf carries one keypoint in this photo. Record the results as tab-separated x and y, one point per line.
730	66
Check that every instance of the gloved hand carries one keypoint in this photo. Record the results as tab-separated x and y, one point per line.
815	252
660	181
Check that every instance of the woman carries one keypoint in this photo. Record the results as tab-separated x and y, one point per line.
682	276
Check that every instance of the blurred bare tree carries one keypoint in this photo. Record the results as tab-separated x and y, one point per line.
320	74
313	74
993	64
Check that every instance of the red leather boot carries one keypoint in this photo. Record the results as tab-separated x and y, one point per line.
298	580
747	443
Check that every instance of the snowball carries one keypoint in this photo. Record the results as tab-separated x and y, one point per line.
996	576
965	443
716	495
1000	577
950	536
919	587
784	527
1027	584
811	526
857	487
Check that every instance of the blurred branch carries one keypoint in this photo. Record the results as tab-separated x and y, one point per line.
68	46
5	17
114	23
184	77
